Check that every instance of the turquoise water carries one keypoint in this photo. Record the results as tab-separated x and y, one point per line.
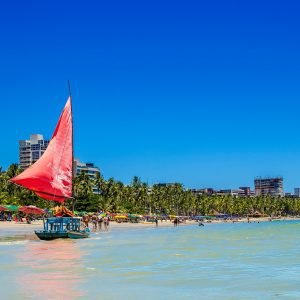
217	261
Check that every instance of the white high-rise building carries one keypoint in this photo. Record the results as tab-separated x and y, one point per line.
31	150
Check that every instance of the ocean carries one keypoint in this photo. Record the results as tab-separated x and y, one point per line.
216	261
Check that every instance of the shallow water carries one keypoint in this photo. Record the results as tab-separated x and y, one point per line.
217	261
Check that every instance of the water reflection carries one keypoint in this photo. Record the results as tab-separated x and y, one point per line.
51	270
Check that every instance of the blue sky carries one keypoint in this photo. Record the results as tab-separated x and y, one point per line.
201	92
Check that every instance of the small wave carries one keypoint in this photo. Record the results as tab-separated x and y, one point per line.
11	243
95	238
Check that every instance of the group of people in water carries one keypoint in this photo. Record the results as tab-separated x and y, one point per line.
99	223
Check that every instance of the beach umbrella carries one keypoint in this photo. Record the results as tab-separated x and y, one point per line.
31	209
120	217
13	208
3	208
133	216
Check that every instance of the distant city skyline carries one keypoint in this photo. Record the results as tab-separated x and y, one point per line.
30	150
206	94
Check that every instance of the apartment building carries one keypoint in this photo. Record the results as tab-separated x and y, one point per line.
31	150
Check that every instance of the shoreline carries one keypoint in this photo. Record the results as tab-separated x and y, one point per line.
17	229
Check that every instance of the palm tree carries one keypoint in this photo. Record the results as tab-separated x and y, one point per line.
82	187
99	182
12	171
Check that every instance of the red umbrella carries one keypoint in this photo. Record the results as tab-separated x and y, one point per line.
31	209
3	208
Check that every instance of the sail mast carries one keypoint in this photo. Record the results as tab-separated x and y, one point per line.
73	175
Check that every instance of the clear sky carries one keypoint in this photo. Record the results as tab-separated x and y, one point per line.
201	92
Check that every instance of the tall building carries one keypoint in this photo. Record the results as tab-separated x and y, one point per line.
31	150
297	192
89	168
269	186
242	191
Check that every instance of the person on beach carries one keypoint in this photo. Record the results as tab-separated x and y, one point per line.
28	219
100	221
156	222
94	222
85	220
175	222
105	221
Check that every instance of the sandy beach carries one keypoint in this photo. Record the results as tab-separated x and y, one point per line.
15	227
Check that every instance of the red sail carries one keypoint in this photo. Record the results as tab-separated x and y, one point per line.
51	176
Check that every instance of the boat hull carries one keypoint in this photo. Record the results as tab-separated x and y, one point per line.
78	235
62	228
50	235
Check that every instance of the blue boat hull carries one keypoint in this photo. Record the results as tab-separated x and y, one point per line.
48	235
78	235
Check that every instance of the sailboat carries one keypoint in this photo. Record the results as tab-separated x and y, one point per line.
51	178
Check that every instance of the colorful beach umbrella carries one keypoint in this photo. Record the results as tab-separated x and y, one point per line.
133	216
13	208
31	209
3	208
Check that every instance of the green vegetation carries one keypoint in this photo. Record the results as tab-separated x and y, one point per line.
138	197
